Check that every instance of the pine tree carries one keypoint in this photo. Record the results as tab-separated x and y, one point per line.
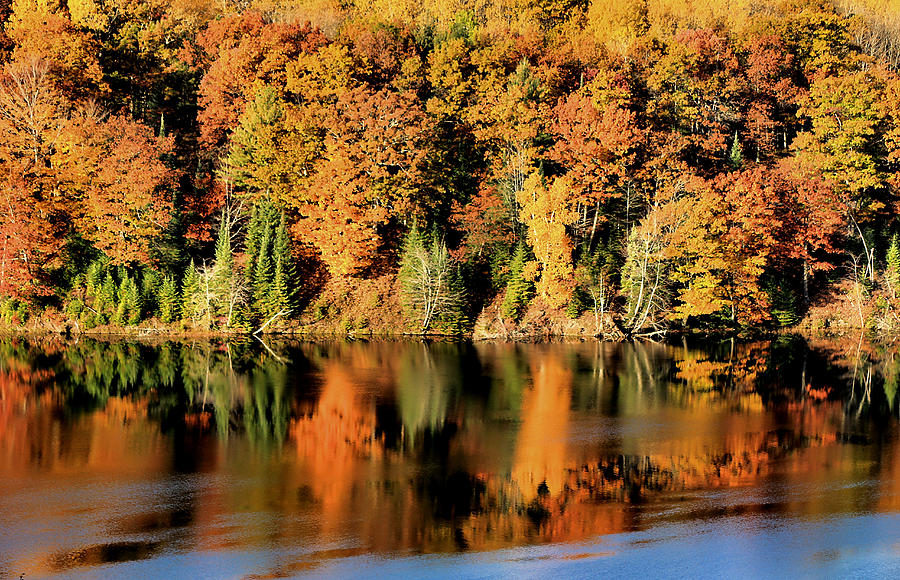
222	283
518	290
190	291
128	310
892	270
150	287
736	155
106	299
278	293
282	252
94	278
252	241
262	277
169	302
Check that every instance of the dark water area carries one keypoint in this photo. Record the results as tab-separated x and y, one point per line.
358	459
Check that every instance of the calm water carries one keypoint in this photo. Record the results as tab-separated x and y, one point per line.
448	459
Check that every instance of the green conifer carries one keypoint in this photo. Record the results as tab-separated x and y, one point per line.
107	299
279	300
262	277
736	155
151	283
168	300
128	310
892	271
190	290
252	241
222	282
94	278
518	290
282	251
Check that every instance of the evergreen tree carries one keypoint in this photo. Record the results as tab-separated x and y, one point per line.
262	277
736	155
223	282
252	240
128	310
190	291
519	291
282	253
892	271
169	302
150	287
94	278
279	300
105	304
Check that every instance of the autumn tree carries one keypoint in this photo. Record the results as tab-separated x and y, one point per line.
32	115
124	187
370	172
546	211
428	276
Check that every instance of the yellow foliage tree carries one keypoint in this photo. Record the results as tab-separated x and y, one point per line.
547	212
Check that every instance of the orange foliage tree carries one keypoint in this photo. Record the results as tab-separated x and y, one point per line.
370	172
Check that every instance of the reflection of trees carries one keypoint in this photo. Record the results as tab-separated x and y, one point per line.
541	446
449	446
235	386
427	380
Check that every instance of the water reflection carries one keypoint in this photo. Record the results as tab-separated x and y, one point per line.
118	451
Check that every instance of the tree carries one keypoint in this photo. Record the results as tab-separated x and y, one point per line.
192	303
262	275
892	268
843	144
598	148
226	288
240	54
32	218
427	275
117	168
546	211
267	159
128	310
736	155
169	301
519	287
370	173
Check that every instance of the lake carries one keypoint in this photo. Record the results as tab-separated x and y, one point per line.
432	459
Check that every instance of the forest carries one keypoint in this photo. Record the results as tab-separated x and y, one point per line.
496	167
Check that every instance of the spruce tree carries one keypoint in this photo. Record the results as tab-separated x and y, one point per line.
736	155
262	277
282	252
128	311
252	240
279	300
892	270
222	283
107	298
150	287
518	290
190	291
168	300
94	278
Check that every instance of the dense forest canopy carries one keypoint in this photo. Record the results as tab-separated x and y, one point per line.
644	164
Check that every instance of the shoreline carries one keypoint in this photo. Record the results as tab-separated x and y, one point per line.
543	335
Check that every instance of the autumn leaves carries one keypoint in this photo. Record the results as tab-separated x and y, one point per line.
666	165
